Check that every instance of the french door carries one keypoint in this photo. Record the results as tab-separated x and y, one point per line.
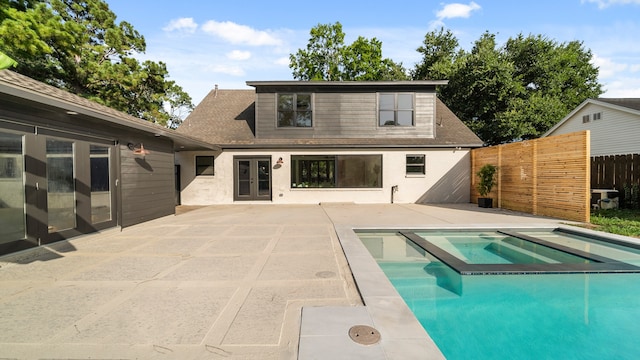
252	178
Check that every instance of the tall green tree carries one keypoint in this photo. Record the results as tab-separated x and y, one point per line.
439	51
78	46
326	57
516	91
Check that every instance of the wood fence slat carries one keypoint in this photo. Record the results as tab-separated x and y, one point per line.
548	176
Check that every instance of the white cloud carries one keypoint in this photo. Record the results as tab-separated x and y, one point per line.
629	88
607	68
239	34
239	55
603	4
233	70
457	10
181	24
282	61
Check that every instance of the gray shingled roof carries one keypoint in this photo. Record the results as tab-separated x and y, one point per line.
19	86
631	103
227	118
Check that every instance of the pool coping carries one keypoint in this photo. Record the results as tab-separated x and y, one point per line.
402	336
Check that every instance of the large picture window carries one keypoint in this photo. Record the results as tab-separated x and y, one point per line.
336	171
395	109
294	110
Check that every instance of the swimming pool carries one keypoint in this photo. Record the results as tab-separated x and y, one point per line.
581	311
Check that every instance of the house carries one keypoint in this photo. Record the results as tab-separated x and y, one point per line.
299	142
614	124
70	166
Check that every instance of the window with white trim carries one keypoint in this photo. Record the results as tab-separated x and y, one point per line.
585	119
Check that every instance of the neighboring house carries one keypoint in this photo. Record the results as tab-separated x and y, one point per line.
614	125
311	142
70	166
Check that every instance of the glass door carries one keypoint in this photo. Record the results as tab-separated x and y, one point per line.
61	190
12	201
252	179
101	196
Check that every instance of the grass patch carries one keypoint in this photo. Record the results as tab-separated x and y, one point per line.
617	221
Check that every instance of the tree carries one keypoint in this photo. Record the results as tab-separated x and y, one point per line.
439	50
328	58
517	91
78	46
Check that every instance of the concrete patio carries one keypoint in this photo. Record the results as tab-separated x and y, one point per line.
217	282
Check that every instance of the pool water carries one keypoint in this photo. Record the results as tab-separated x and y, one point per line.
550	316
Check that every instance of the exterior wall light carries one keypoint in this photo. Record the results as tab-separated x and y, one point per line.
138	149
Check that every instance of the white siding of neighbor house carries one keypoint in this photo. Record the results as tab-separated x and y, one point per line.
447	178
616	133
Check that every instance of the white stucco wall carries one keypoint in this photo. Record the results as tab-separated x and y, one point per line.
447	178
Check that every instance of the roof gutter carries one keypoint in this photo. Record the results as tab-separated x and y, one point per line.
369	146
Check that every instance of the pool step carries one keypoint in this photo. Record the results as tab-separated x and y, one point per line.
517	253
422	280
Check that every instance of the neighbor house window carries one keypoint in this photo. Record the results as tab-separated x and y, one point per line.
204	165
585	119
395	109
597	116
294	110
415	165
336	171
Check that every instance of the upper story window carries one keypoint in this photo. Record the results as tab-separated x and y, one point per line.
585	119
294	110
597	116
395	109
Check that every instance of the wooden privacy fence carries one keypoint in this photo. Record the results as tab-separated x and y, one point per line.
620	172
547	176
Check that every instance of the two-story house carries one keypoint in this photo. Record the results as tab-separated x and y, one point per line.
614	124
312	142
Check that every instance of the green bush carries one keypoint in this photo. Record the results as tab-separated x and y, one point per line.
487	179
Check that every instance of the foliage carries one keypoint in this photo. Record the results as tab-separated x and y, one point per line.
513	92
617	221
631	196
439	51
76	45
6	62
486	179
326	57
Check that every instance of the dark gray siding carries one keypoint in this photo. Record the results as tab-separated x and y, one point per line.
344	115
147	183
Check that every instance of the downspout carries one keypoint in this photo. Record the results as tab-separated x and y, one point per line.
394	189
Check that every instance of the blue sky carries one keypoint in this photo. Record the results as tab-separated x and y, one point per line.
228	43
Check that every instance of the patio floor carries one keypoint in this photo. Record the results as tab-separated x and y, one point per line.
226	281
